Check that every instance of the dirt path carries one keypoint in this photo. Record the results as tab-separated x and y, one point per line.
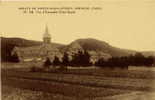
132	96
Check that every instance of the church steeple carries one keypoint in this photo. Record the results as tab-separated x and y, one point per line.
46	36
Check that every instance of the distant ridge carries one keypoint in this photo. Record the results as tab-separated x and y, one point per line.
94	46
21	42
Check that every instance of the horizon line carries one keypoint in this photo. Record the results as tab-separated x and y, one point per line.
81	38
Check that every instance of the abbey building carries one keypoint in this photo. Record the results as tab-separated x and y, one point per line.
37	53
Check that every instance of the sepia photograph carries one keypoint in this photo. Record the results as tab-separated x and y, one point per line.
77	50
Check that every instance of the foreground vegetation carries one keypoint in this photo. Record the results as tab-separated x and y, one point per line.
11	93
72	84
101	80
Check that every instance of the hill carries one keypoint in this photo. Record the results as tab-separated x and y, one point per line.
97	48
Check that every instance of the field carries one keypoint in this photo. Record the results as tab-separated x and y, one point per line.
18	83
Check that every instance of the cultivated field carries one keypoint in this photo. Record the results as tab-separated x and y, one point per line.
18	83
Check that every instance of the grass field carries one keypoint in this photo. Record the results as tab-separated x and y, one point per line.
19	83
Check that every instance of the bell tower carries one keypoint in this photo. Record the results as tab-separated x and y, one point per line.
46	36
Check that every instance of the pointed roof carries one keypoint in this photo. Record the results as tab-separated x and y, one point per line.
46	34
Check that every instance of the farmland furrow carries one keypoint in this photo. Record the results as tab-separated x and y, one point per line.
61	88
87	80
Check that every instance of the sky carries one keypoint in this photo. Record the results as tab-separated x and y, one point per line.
128	24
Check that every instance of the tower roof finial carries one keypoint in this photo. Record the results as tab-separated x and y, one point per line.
46	34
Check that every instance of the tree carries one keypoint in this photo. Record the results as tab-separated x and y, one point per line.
81	59
14	58
149	61
65	59
76	60
139	59
56	61
86	59
101	62
47	63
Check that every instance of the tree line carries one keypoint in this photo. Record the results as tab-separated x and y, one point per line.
133	60
82	58
79	59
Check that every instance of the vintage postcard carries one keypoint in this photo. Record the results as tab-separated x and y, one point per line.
77	50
